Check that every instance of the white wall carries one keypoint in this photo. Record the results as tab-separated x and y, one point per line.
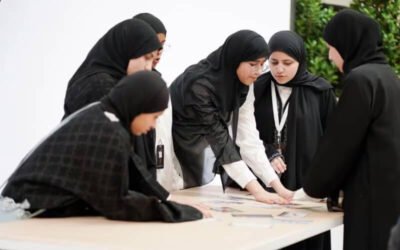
42	43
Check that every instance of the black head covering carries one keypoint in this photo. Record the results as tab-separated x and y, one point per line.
129	39
221	65
356	37
153	21
141	92
293	45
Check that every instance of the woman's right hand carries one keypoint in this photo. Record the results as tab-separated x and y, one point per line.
205	210
281	190
270	198
261	195
278	165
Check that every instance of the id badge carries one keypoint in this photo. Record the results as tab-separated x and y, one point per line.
160	156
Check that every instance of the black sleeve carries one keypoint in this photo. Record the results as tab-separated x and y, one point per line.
142	180
208	116
342	142
134	206
109	192
271	151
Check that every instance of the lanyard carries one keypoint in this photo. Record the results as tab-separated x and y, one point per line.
278	123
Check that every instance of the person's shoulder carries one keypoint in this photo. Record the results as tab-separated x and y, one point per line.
362	76
96	84
360	80
111	122
262	82
324	82
202	85
263	79
103	78
369	70
95	77
358	73
93	117
320	84
111	129
363	69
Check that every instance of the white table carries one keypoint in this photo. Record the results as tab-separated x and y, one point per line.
221	232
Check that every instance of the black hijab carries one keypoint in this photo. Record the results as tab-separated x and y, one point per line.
221	65
356	37
153	21
129	39
141	92
293	45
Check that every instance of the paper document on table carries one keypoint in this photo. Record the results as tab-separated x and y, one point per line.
252	220
247	215
251	202
292	217
225	209
305	204
291	220
292	214
231	197
226	202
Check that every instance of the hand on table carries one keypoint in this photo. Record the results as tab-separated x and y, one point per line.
270	198
205	210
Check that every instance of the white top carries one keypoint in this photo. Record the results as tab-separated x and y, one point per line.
251	149
170	176
284	92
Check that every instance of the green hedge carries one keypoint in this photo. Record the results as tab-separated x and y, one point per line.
387	13
312	16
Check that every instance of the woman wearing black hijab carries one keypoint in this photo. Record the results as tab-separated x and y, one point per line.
291	107
205	100
128	47
359	152
86	166
159	28
145	145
